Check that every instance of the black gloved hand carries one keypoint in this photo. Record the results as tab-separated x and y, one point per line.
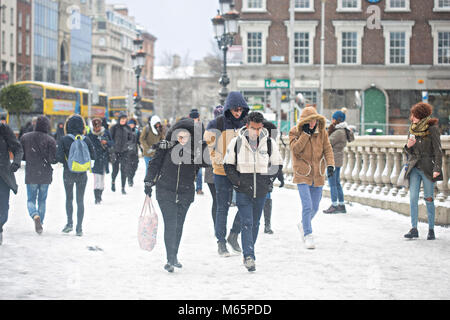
330	171
14	167
148	189
308	130
281	180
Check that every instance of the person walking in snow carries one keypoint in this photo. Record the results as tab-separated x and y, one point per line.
39	153
133	151
195	115
8	143
75	126
312	160
252	163
122	137
173	170
102	142
424	164
150	136
339	135
218	135
59	132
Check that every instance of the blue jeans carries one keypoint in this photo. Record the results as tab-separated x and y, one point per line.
250	210
4	203
199	180
336	189
415	179
147	161
37	192
224	191
310	197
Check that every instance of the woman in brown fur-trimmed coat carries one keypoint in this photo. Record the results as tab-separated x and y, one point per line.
312	159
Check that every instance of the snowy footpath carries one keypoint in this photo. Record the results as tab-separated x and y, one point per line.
361	255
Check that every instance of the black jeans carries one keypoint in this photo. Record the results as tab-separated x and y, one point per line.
4	203
80	180
121	160
174	215
212	188
133	163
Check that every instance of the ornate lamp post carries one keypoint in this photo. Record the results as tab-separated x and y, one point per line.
138	65
225	28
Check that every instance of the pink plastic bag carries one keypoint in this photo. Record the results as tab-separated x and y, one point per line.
148	226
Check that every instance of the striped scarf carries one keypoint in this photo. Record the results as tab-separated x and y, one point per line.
421	128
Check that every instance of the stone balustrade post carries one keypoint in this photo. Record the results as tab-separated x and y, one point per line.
371	171
386	175
380	163
442	186
357	168
365	169
404	190
350	163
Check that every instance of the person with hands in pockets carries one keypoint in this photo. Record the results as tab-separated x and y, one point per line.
312	159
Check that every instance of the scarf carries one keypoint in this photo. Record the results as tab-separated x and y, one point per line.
420	129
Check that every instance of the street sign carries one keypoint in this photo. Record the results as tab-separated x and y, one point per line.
277	83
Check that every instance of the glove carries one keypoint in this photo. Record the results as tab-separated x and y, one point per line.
14	167
308	130
148	189
281	179
330	171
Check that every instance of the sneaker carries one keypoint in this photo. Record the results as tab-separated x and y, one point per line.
413	233
68	228
309	242
300	229
332	210
268	230
431	235
169	268
223	251
232	241
79	233
177	264
249	263
38	225
342	209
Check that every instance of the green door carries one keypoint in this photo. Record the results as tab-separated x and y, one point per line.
374	111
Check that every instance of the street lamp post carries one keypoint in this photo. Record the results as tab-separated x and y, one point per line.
138	65
225	28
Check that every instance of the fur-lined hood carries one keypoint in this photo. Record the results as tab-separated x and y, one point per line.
75	125
309	114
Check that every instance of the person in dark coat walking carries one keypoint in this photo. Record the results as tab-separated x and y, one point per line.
102	142
59	132
75	125
133	151
40	153
173	170
424	153
8	143
122	137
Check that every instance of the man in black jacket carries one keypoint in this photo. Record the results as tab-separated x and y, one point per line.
40	153
122	137
8	143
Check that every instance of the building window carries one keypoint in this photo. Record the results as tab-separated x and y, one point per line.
349	48
254	47
19	42
101	70
254	5
19	20
301	48
441	5
28	44
397	36
397	48
443	48
349	36
12	16
3	42
440	31
304	5
349	5
11	45
27	22
397	5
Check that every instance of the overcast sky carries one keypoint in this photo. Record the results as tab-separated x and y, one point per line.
181	26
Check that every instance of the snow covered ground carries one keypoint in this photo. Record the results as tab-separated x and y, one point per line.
361	255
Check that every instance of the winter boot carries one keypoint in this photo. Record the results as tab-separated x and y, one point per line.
113	187
130	182
123	191
342	209
97	196
100	192
232	241
249	263
267	216
37	224
431	235
332	210
177	264
169	267
413	233
68	228
223	251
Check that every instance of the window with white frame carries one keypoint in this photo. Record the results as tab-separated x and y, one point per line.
301	47
254	5
441	5
304	34
254	47
398	5
349	36
440	31
348	5
304	5
443	52
397	35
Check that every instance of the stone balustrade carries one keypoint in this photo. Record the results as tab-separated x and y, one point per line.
371	171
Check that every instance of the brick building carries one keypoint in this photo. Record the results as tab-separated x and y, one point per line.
24	35
390	60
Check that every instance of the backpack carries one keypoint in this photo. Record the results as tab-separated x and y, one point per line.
79	160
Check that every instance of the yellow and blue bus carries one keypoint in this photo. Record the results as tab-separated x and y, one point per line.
98	110
118	104
148	108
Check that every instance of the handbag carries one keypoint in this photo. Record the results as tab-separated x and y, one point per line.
403	181
148	226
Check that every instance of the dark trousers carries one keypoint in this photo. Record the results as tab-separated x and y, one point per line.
224	195
174	215
4	203
212	188
121	161
250	211
80	181
132	167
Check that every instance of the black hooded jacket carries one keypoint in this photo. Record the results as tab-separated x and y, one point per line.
40	153
9	143
174	167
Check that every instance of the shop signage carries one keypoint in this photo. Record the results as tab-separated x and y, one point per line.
277	83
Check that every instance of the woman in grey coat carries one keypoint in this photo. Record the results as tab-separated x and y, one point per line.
339	135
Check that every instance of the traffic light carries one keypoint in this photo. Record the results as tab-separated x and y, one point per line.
136	97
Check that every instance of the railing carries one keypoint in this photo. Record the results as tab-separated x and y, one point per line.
371	172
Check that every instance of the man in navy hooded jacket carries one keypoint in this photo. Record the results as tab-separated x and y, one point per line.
218	135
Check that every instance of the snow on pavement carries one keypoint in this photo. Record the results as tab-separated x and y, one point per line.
361	255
